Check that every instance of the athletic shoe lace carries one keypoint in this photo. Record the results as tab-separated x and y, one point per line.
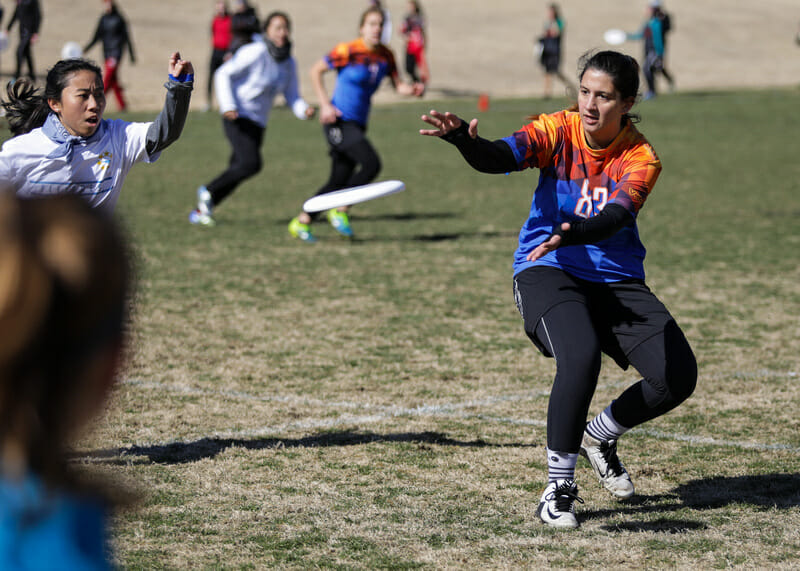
609	452
565	495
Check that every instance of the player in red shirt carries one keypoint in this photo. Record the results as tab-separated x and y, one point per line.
413	30
221	36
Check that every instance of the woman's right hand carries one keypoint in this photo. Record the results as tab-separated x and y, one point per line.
328	114
445	123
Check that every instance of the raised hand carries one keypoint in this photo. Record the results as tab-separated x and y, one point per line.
446	122
179	67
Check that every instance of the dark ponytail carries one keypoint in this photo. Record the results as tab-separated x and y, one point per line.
27	107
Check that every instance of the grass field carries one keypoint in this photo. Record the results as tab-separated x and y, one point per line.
376	404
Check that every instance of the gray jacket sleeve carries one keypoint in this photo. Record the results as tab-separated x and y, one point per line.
167	127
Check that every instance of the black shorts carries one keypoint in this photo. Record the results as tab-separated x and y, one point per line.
343	134
624	314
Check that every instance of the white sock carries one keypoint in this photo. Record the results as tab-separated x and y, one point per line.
604	427
560	465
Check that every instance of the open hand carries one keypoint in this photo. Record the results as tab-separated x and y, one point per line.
552	243
446	122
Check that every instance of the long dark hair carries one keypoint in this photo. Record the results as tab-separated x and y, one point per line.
27	107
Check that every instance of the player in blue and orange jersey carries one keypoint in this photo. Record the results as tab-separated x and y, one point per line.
579	275
361	65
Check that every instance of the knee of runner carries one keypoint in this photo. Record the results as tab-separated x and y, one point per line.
251	167
675	385
371	168
682	378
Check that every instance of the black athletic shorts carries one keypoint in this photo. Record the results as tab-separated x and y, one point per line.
624	314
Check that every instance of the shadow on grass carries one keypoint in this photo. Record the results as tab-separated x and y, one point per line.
437	237
405	217
661	525
183	452
781	491
397	217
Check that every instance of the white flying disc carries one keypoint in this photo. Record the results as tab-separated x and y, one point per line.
71	50
615	37
354	195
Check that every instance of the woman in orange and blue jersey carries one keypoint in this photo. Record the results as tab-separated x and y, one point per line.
579	274
361	65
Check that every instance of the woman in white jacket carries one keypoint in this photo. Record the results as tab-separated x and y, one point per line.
246	85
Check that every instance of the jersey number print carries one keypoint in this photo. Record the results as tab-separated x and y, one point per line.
589	204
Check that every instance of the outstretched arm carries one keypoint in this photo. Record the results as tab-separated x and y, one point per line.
492	157
168	126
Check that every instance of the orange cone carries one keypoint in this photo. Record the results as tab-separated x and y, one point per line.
483	102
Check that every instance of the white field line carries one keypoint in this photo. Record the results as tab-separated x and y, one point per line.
378	413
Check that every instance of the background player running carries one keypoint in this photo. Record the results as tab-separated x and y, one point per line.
246	87
579	274
361	65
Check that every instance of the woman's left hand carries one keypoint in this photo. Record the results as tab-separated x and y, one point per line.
178	66
552	243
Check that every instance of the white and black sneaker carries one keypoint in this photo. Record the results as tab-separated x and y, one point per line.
557	506
602	455
204	213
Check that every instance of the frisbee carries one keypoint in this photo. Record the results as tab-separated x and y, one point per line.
615	37
354	195
71	50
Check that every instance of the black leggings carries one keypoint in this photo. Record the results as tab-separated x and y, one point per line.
411	66
245	137
24	54
354	160
665	361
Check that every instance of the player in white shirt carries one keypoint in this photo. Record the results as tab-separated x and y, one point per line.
62	144
246	85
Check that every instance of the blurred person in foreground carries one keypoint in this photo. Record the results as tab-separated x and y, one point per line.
64	286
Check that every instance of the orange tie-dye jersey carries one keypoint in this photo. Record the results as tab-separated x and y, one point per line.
361	70
576	182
